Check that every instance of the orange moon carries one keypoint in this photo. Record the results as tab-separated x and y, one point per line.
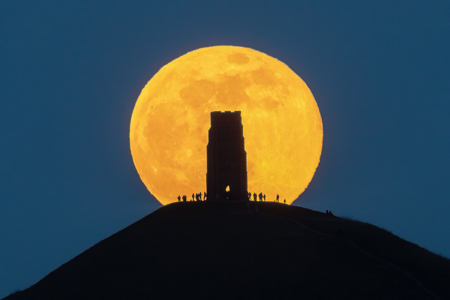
283	128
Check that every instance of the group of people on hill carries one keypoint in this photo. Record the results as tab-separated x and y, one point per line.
262	197
198	197
195	197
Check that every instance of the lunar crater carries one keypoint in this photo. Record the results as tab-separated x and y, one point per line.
238	58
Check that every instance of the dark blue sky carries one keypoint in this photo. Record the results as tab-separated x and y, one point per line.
71	73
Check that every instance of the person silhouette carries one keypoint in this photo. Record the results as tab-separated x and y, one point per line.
284	201
254	196
264	196
278	198
249	196
260	197
179	198
204	196
193	197
200	196
184	198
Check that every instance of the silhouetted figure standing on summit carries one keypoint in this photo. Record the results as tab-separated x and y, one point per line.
193	197
278	198
184	198
254	196
264	197
179	198
204	196
260	197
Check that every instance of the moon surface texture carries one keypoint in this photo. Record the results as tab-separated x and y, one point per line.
282	124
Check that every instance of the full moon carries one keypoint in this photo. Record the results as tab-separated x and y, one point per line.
283	128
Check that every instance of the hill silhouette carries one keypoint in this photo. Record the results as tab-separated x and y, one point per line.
201	250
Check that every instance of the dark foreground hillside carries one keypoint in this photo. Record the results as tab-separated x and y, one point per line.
200	250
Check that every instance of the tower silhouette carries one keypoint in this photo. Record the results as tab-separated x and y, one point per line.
226	177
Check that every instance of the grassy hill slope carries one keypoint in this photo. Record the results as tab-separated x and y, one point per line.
237	251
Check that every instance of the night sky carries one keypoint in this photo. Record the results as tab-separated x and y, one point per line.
71	73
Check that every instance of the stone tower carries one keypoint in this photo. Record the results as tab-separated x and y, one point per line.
226	177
